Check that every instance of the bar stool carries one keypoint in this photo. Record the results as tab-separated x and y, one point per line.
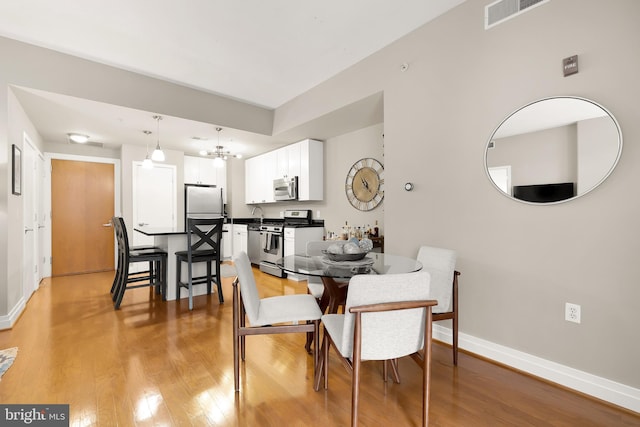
204	236
116	280
156	276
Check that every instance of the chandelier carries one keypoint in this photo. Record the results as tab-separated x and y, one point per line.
219	154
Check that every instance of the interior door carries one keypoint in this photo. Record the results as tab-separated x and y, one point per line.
501	176
31	255
82	205
154	199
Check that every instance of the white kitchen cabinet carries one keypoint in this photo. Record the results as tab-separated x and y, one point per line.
311	176
227	242
259	176
303	159
240	238
200	170
288	161
250	172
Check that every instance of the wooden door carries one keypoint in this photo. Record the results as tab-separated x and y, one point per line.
82	204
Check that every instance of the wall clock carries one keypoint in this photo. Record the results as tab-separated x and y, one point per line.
364	185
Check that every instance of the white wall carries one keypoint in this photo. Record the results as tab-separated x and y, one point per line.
11	297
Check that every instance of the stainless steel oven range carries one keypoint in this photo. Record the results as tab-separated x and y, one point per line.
272	239
271	248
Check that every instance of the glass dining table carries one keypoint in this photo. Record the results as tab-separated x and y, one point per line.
335	275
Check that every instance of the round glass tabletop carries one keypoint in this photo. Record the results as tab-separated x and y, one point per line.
373	263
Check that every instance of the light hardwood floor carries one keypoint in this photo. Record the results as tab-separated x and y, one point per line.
156	363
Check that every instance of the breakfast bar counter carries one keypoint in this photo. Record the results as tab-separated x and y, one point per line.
173	240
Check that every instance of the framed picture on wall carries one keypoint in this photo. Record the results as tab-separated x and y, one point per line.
16	169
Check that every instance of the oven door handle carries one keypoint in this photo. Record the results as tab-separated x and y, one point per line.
266	245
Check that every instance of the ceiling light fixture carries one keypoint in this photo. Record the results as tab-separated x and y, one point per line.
147	163
158	154
219	154
78	138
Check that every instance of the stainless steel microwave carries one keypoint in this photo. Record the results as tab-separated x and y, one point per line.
285	188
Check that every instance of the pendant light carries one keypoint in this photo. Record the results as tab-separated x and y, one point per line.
147	163
158	154
218	162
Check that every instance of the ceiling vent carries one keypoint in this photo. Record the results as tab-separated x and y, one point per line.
87	144
501	10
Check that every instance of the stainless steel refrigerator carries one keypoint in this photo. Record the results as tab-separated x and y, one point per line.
202	201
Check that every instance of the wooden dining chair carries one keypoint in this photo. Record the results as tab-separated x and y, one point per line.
204	239
441	264
274	315
386	317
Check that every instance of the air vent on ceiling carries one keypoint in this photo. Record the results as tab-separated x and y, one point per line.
88	144
501	10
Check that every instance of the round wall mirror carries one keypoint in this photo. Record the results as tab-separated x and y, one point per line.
553	150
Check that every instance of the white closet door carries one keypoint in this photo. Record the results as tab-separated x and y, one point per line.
501	176
30	235
154	199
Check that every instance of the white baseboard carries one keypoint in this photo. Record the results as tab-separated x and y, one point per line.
7	321
592	385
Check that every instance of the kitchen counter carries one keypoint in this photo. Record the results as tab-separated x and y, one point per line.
159	231
256	222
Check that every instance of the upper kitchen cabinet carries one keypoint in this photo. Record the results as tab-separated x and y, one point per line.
288	161
303	159
259	175
311	175
200	170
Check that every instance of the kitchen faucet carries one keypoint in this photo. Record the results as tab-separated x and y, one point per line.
253	211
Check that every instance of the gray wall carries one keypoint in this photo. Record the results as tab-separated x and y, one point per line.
519	263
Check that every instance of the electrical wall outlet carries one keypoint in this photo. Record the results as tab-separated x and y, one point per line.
572	312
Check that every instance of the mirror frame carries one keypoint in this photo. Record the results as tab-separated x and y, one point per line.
611	168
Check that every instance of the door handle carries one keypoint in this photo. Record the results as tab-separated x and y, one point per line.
142	224
27	229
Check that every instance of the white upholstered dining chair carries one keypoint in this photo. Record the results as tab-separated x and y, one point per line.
273	315
441	264
386	317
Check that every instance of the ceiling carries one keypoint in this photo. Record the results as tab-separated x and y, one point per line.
261	52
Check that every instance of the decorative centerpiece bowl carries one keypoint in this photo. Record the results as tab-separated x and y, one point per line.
345	257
